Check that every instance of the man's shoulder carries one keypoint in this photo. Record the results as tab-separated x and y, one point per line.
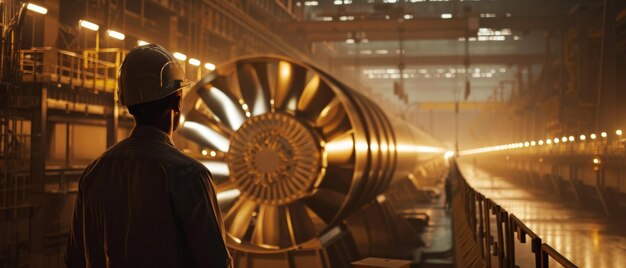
155	151
186	160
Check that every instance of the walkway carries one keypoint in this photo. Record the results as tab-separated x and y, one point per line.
586	238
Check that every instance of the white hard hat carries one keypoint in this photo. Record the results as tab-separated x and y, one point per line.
149	73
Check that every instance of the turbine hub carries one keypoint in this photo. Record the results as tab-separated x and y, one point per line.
274	159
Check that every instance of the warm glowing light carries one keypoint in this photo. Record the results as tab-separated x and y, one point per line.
204	152
571	138
564	139
533	143
526	144
38	9
209	135
618	132
582	137
217	168
540	142
194	62
548	141
213	153
180	56
596	161
418	149
592	136
603	134
448	155
142	43
556	140
209	66
244	106
227	195
284	69
88	25
446	16
117	35
235	115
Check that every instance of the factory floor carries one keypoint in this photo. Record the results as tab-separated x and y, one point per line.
437	234
587	238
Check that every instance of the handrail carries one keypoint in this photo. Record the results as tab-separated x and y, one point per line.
517	226
508	227
68	53
548	251
66	67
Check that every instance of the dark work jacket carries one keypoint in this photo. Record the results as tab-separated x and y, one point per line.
144	203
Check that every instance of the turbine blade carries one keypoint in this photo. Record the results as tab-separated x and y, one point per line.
254	88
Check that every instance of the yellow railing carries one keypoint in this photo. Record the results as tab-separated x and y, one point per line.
67	68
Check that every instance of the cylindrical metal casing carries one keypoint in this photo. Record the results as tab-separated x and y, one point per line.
303	150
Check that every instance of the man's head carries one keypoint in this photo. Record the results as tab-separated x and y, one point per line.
150	84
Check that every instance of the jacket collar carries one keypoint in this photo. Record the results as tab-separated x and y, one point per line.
151	133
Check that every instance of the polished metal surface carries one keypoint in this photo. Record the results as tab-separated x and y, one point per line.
294	150
274	159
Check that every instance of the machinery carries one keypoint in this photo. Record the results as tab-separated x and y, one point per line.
293	150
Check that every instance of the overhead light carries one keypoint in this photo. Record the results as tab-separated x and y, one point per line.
209	66
117	35
88	25
408	16
618	132
446	16
350	41
180	56
38	9
310	3
603	134
142	43
194	62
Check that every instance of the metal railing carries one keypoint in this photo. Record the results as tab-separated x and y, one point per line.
67	68
477	211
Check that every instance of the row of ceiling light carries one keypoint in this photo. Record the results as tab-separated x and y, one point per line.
120	36
547	141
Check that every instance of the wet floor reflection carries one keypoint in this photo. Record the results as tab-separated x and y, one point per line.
588	239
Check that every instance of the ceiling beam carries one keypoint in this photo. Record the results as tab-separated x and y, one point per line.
451	106
510	59
416	29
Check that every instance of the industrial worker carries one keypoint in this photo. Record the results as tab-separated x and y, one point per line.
143	203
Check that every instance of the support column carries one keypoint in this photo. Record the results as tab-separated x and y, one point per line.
606	96
37	176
